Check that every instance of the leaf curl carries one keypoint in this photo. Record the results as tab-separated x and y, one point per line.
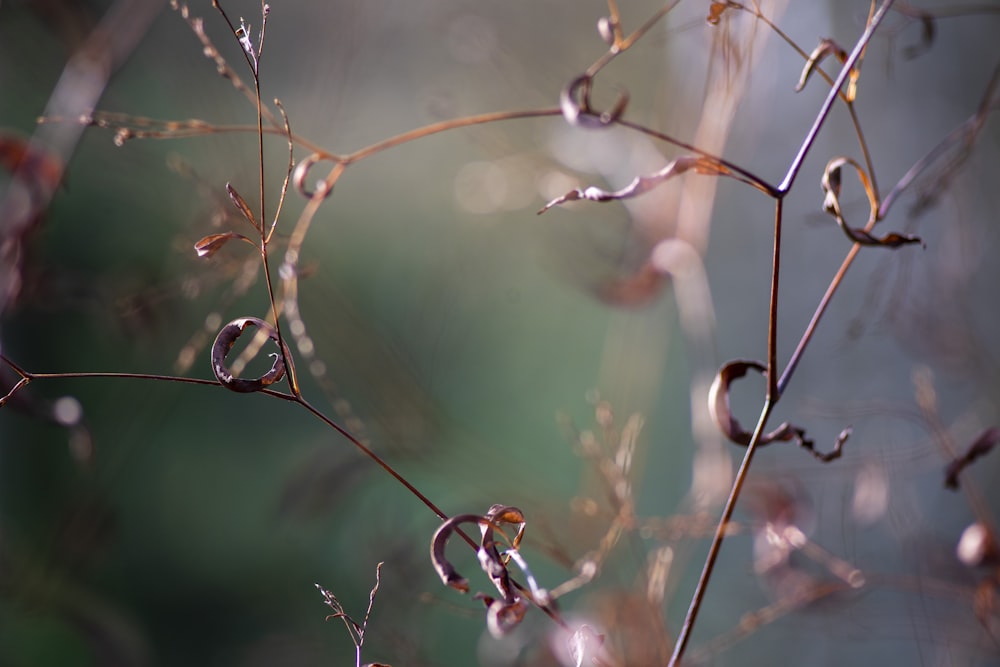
224	343
831	184
826	48
211	244
508	610
574	101
718	405
700	164
302	171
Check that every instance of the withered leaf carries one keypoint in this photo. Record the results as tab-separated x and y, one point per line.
831	184
574	101
242	205
489	557
209	245
827	47
641	184
224	343
718	406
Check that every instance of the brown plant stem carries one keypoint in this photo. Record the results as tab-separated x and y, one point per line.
773	393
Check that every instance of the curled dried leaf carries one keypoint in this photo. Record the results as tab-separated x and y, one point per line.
211	244
302	171
827	47
831	184
224	343
241	205
718	405
700	164
574	100
980	447
509	609
446	571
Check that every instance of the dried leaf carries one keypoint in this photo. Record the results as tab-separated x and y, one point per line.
980	447
574	100
718	405
827	47
641	184
831	184
241	205
299	178
508	610
211	244
224	343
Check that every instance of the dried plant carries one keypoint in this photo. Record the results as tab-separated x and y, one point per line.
598	535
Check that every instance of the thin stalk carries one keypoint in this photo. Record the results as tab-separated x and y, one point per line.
824	111
741	475
718	537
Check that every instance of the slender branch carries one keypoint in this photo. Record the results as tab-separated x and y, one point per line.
824	111
367	451
739	481
718	537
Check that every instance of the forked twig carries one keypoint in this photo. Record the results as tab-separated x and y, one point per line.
773	390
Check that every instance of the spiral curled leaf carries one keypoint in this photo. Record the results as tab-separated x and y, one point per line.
302	171
831	184
826	48
718	405
224	343
574	101
508	610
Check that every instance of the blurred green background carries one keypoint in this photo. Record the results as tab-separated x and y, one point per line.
455	325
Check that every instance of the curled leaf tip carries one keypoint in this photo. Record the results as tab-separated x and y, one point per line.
224	343
718	405
831	182
211	244
574	101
